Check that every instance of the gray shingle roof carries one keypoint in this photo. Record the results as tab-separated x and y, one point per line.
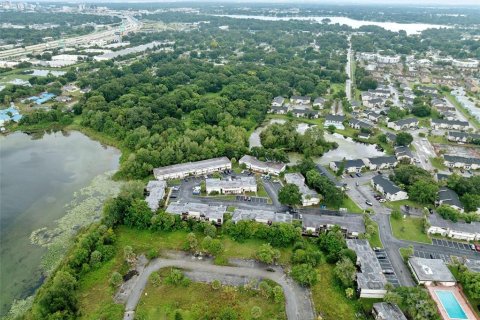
370	275
387	185
448	196
387	311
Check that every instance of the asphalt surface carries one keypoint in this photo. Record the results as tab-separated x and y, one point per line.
298	301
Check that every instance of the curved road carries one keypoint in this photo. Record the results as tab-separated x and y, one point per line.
298	303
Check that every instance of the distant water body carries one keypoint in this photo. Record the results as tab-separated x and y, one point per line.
409	28
38	178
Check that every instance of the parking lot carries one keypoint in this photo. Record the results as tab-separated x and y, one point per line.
251	199
431	255
451	244
385	263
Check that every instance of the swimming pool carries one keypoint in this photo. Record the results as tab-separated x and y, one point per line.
451	305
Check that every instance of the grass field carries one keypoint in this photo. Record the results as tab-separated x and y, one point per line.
437	163
351	206
200	301
95	295
409	229
375	240
330	300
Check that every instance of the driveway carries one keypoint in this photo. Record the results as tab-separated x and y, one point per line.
298	300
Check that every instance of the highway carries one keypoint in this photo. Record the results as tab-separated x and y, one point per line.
130	24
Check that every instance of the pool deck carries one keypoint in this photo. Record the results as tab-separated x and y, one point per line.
460	298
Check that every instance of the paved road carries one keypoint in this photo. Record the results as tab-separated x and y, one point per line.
348	70
298	302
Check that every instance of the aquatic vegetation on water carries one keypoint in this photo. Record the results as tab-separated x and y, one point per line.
19	308
85	208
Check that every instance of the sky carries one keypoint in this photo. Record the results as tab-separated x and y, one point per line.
451	3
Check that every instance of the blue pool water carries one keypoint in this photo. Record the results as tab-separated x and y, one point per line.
451	305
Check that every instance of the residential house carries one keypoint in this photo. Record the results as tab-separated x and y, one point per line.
350	166
267	167
388	189
373	116
182	170
319	102
403	124
309	197
449	124
358	124
380	163
456	230
278	101
462	136
374	103
450	198
370	278
334	120
231	186
198	211
461	162
300	99
305	113
391	137
279	109
403	153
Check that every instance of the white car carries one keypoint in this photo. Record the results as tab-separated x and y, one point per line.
382	200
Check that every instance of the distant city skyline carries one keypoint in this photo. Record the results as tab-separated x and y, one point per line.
423	3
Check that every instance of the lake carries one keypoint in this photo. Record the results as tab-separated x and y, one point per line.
40	177
410	28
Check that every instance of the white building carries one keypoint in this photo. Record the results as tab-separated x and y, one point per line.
457	230
380	163
461	162
178	171
334	120
256	165
232	186
387	311
300	99
431	271
350	166
388	189
449	124
198	211
403	124
388	59
309	196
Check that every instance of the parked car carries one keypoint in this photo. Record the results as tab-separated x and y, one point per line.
175	188
382	200
388	271
358	174
377	249
368	202
351	175
377	197
472	246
